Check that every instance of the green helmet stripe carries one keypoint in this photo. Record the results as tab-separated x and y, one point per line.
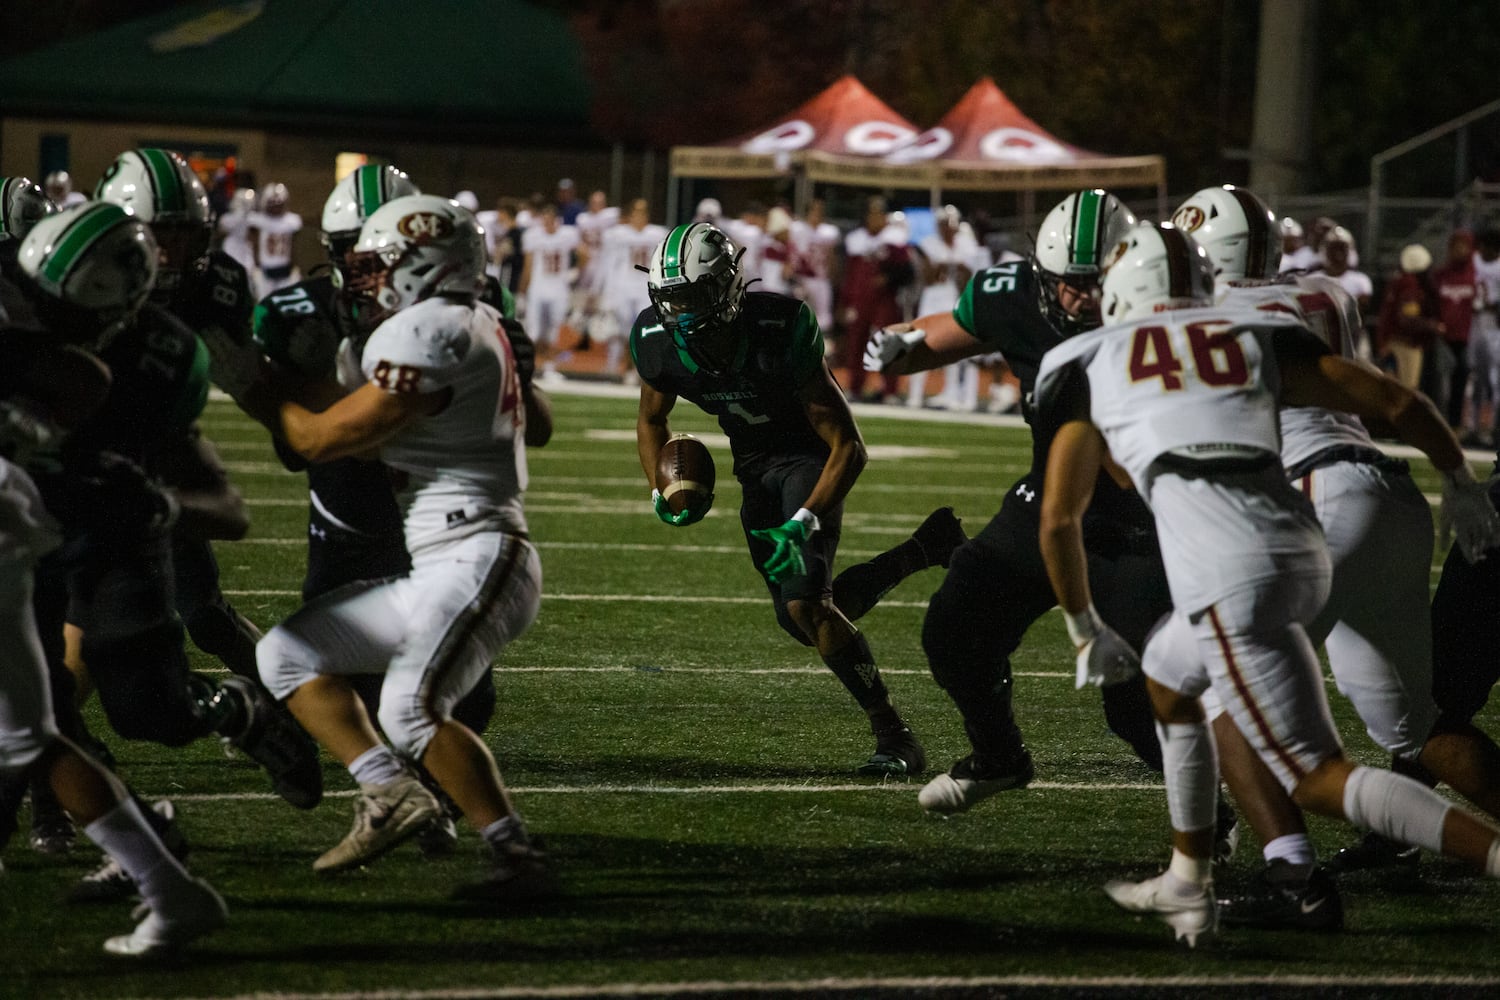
1086	228
169	194
369	190
671	253
92	223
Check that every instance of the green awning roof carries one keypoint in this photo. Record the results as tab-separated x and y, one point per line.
464	67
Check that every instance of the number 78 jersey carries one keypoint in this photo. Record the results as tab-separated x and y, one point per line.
1197	383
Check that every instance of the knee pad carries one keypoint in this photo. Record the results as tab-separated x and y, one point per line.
407	724
1396	807
1192	769
285	662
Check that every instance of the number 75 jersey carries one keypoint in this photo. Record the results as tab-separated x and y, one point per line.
1197	383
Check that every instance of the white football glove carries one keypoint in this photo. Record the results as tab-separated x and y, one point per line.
1104	657
888	344
234	365
1468	514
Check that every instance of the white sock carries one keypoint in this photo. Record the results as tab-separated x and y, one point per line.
377	766
1189	876
503	829
1190	763
1395	806
125	835
1294	848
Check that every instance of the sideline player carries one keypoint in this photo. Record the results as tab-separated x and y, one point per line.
1182	397
997	586
441	401
755	361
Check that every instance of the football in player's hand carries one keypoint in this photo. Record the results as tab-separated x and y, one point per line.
685	474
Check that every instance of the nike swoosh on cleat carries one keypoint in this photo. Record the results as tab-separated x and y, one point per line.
1312	907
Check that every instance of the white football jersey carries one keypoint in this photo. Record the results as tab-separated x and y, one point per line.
817	245
551	253
591	229
466	465
625	249
752	239
1486	293
275	233
1200	383
1330	313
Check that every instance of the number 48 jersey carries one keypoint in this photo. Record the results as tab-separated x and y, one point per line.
465	466
1197	383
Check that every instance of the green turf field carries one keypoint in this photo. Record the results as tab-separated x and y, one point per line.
690	768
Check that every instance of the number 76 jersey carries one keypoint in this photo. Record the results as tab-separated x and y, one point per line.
1195	383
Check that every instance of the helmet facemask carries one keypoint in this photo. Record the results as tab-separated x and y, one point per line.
1070	301
179	245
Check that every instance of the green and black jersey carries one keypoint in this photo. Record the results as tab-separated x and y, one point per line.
160	386
757	403
1002	307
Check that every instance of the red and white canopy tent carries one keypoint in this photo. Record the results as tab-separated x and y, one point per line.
986	143
845	121
847	135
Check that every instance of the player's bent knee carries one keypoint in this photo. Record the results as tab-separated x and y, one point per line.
407	724
790	625
285	662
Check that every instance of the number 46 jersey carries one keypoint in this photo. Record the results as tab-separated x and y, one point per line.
1200	384
464	466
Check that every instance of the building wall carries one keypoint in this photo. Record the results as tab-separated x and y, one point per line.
305	164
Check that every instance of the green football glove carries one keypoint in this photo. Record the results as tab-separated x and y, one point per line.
687	517
786	559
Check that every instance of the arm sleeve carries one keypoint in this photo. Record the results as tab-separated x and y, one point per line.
806	352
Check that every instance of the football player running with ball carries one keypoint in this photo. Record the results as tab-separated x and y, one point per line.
755	361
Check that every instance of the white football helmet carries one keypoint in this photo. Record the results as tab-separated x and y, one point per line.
158	187
95	264
410	249
23	204
1153	269
1239	232
1071	245
355	198
698	288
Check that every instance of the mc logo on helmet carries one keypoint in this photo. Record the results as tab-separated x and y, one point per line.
1189	218
424	227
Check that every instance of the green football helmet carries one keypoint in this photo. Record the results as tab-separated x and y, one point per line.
698	288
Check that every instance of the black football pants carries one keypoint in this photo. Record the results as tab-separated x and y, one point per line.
997	587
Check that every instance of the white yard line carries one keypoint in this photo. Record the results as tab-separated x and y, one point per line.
925	985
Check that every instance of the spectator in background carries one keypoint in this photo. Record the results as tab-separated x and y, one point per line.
1338	264
816	242
1484	334
1448	358
469	200
1409	322
710	211
569	205
877	266
749	232
1296	255
234	227
59	187
272	232
945	261
547	278
776	263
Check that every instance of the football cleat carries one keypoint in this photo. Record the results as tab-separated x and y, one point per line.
519	873
272	738
186	916
1284	895
384	816
897	755
974	779
1191	917
939	536
52	830
108	882
1373	852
